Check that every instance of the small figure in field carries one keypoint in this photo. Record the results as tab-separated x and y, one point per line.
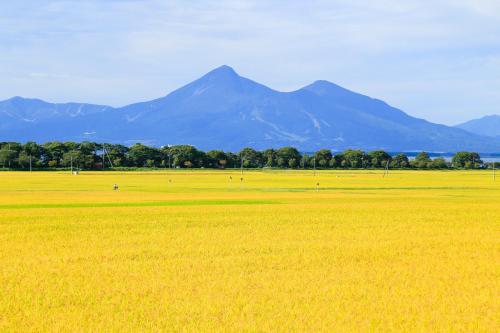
230	178
241	179
115	187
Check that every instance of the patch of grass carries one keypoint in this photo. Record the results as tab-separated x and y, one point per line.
143	204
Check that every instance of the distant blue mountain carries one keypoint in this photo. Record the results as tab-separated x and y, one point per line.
488	125
223	110
23	119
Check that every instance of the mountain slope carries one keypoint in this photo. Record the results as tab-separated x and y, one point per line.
488	125
223	110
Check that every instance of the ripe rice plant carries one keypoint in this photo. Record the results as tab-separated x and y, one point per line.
192	251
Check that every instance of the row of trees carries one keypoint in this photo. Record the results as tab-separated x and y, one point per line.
91	155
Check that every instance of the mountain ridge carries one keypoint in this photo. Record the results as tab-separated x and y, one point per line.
488	125
223	110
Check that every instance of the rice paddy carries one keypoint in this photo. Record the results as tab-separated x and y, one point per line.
266	251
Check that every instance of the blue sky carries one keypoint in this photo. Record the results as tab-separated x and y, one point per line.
438	59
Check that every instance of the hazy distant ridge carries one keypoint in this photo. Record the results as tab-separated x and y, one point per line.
488	125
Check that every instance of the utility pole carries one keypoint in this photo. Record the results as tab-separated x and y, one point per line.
9	155
386	171
241	167
71	163
103	152
169	157
314	165
109	158
30	163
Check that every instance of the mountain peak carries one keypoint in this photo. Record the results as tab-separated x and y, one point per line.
492	117
323	87
222	79
17	99
223	71
322	83
487	125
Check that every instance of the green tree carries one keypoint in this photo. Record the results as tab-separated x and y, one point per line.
31	153
323	157
88	148
333	163
305	161
24	160
139	155
118	154
281	162
232	160
54	152
378	158
285	154
352	158
216	159
75	158
468	160
34	150
9	153
400	161
269	157
439	163
250	157
186	156
491	165
422	161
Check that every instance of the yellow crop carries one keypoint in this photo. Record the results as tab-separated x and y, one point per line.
195	251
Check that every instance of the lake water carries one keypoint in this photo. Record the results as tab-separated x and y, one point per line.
487	158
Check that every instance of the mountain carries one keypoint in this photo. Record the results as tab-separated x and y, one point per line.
23	119
223	110
488	125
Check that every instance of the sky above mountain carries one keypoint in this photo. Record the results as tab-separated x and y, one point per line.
437	59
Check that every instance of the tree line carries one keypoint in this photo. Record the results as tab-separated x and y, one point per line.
97	156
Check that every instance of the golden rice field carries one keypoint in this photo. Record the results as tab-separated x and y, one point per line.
192	251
